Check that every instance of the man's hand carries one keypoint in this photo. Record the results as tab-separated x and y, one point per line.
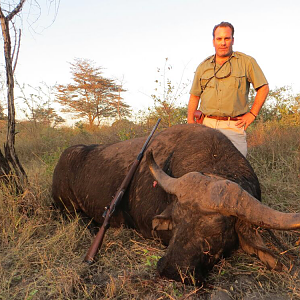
260	98
245	120
193	104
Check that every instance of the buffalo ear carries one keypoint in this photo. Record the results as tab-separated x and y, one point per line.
163	221
252	243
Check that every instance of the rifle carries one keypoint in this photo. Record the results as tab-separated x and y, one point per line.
98	240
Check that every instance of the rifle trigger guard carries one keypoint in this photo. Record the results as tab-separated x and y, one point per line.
105	212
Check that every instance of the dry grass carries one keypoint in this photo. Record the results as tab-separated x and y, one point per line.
41	251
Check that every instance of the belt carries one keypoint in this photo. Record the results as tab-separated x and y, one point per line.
222	118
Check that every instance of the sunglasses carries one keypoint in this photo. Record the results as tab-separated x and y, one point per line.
203	86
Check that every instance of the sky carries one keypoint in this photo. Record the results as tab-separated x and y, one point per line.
130	39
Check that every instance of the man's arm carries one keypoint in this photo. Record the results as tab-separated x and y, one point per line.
193	104
260	98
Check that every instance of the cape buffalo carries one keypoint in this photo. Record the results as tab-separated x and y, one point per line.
205	205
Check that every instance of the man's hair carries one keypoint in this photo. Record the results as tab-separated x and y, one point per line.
223	24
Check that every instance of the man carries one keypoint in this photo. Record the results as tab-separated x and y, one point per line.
222	82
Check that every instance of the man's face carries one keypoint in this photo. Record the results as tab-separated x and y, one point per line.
223	41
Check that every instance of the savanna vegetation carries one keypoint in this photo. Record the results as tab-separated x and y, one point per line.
42	250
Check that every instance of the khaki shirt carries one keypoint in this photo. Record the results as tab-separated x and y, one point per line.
226	94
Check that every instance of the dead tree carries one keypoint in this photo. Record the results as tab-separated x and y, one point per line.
9	163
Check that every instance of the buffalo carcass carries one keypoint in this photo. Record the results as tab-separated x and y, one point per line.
204	207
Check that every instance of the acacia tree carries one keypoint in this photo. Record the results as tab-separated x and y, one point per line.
11	158
91	96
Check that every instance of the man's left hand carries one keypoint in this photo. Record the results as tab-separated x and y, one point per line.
245	120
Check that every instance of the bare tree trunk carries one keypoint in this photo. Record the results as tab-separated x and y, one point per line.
4	169
10	153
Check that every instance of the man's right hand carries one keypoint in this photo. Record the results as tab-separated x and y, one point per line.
192	106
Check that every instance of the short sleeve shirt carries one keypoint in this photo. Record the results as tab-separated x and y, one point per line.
226	93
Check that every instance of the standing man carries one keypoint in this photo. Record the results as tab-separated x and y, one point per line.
222	83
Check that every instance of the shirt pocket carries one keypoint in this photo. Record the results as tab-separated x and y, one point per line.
207	80
237	81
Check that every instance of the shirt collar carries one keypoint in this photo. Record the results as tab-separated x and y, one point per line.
212	60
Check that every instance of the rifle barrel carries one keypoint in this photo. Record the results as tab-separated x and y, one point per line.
98	240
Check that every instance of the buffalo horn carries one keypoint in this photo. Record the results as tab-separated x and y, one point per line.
216	195
237	202
164	180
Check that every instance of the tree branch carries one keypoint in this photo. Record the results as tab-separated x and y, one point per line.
16	10
18	50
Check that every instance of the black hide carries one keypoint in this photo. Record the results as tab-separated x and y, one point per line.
87	177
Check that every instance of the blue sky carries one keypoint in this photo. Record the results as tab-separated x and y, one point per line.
130	39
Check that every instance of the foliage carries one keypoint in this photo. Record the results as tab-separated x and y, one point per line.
38	141
166	99
281	104
39	104
125	129
91	96
151	259
2	114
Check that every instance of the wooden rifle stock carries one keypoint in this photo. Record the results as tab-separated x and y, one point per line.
98	240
